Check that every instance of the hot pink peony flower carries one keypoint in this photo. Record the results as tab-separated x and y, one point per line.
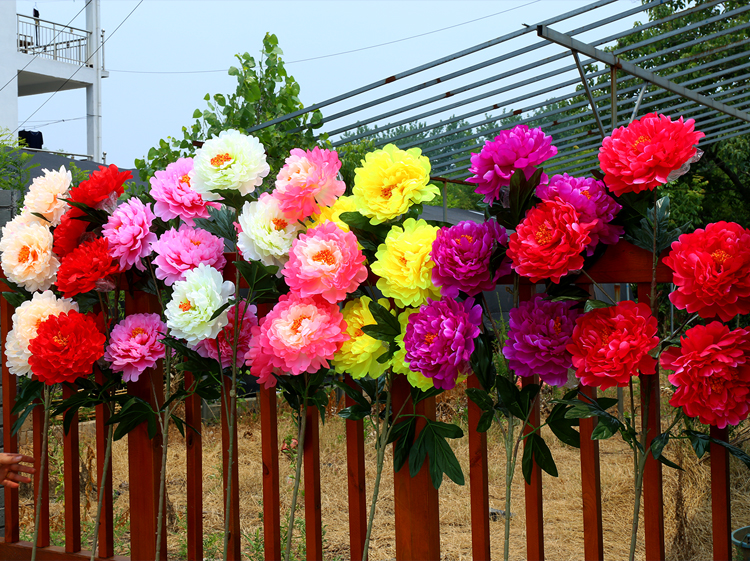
174	196
179	251
248	320
135	344
298	335
325	261
308	181
128	234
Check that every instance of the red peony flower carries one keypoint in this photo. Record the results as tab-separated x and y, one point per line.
101	184
712	374
66	347
641	156
84	267
549	241
712	271
609	345
67	236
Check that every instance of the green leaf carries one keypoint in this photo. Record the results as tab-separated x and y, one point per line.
669	463
419	450
221	309
15	299
536	450
594	304
527	460
196	115
485	421
510	396
481	398
355	412
700	442
481	362
446	430
736	452
387	323
352	393
602	431
445	461
562	427
658	444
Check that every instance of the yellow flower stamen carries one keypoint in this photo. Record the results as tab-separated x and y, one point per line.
221	159
298	323
543	234
558	325
27	253
185	306
640	140
60	340
186	178
137	331
279	223
429	338
720	256
468	237
324	256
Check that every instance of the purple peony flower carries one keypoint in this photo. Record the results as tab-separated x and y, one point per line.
591	201
439	339
519	148
462	254
537	335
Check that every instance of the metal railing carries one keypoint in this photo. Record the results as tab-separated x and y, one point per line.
52	40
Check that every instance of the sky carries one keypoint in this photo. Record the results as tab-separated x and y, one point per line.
157	56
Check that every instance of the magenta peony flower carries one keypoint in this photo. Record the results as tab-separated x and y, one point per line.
439	339
128	233
135	344
248	319
462	254
590	199
519	148
537	335
325	261
174	196
298	335
179	251
308	181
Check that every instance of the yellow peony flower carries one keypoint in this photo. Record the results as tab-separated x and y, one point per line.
398	362
333	213
404	265
359	355
390	181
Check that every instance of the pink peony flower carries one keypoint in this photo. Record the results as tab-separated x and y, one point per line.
175	197
128	234
308	181
248	320
325	261
298	335
179	251
135	344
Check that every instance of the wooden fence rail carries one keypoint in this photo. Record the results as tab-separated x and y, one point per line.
416	501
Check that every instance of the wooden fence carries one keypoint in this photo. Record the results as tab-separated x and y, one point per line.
416	501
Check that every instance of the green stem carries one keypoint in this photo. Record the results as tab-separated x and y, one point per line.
298	473
510	468
107	456
164	443
47	396
596	284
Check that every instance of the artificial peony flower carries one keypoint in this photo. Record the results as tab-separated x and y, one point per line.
66	347
519	148
711	374
27	258
333	213
248	319
308	181
538	331
45	194
175	197
592	203
135	344
358	356
102	189
462	255
298	335
390	181
711	271
266	235
398	362
128	233
547	244
87	268
610	345
194	302
179	251
325	261
230	161
69	232
404	265
26	319
439	339
641	156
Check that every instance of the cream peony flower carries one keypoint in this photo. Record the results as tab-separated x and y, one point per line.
194	302
27	257
45	193
230	161
26	319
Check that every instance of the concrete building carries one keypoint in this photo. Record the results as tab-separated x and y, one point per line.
39	56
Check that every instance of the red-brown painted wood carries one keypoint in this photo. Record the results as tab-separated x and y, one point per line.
625	262
21	551
71	482
478	482
235	535
415	499
194	473
270	457
355	461
311	465
10	441
40	456
720	497
106	528
591	490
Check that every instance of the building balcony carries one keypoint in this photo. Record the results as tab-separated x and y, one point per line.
47	39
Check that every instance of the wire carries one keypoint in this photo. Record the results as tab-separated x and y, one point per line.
59	121
336	54
77	69
36	55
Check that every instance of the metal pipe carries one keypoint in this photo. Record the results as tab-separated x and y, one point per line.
613	87
638	102
586	88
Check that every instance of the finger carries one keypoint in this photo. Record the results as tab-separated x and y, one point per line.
23	468
25	459
11	458
16	477
9	484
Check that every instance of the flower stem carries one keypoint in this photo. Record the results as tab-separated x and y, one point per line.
164	444
47	396
596	284
510	467
107	456
298	473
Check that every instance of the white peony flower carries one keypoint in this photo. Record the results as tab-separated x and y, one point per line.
230	161
26	320
266	235
45	193
27	257
194	301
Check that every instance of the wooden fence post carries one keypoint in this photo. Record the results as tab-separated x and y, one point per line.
270	453
591	490
235	537
720	497
194	473
10	441
311	465
478	481
106	527
355	461
42	457
72	482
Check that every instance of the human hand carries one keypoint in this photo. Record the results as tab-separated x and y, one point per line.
11	469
